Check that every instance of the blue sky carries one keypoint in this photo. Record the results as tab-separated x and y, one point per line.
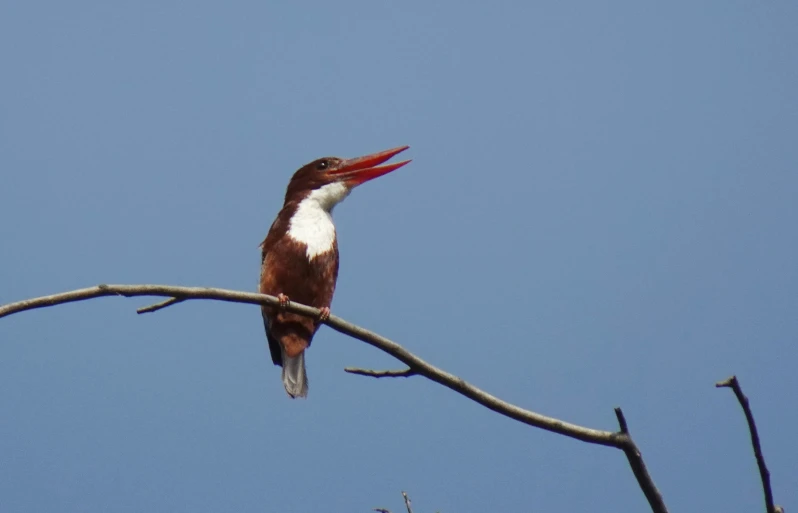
601	211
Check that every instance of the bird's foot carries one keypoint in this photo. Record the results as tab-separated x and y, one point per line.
324	313
283	300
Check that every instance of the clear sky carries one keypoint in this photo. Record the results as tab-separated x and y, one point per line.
601	211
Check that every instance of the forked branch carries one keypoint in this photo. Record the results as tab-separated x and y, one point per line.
415	365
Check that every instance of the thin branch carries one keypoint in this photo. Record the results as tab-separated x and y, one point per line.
158	306
381	374
639	469
621	421
169	291
407	505
392	348
764	474
407	502
619	440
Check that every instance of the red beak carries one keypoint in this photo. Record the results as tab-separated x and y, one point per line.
362	169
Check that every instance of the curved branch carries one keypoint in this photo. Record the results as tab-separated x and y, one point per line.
620	440
176	293
764	474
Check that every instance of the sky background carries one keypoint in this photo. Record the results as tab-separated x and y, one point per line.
601	211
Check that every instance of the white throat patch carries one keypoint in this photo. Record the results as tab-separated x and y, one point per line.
312	222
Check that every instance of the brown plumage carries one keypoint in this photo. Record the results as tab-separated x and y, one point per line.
299	259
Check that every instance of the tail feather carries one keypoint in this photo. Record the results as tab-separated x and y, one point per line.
295	379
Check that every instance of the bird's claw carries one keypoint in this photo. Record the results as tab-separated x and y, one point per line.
324	313
283	300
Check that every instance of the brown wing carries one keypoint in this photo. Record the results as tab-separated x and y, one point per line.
279	225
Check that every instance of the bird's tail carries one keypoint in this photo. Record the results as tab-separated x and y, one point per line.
295	379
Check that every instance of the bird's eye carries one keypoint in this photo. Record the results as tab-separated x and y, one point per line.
322	165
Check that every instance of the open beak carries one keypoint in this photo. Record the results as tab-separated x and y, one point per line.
362	169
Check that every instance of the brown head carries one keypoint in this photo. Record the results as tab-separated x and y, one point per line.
342	174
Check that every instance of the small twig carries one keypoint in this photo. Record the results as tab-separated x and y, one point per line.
407	502
381	374
621	421
161	305
764	474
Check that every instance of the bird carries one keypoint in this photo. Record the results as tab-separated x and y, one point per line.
299	257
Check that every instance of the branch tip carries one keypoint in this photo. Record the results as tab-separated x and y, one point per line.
158	306
764	473
621	420
407	502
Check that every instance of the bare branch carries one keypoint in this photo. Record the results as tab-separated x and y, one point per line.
381	374
621	421
169	291
407	502
158	306
639	469
764	474
619	440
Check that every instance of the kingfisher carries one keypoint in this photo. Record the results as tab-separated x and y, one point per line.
299	257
